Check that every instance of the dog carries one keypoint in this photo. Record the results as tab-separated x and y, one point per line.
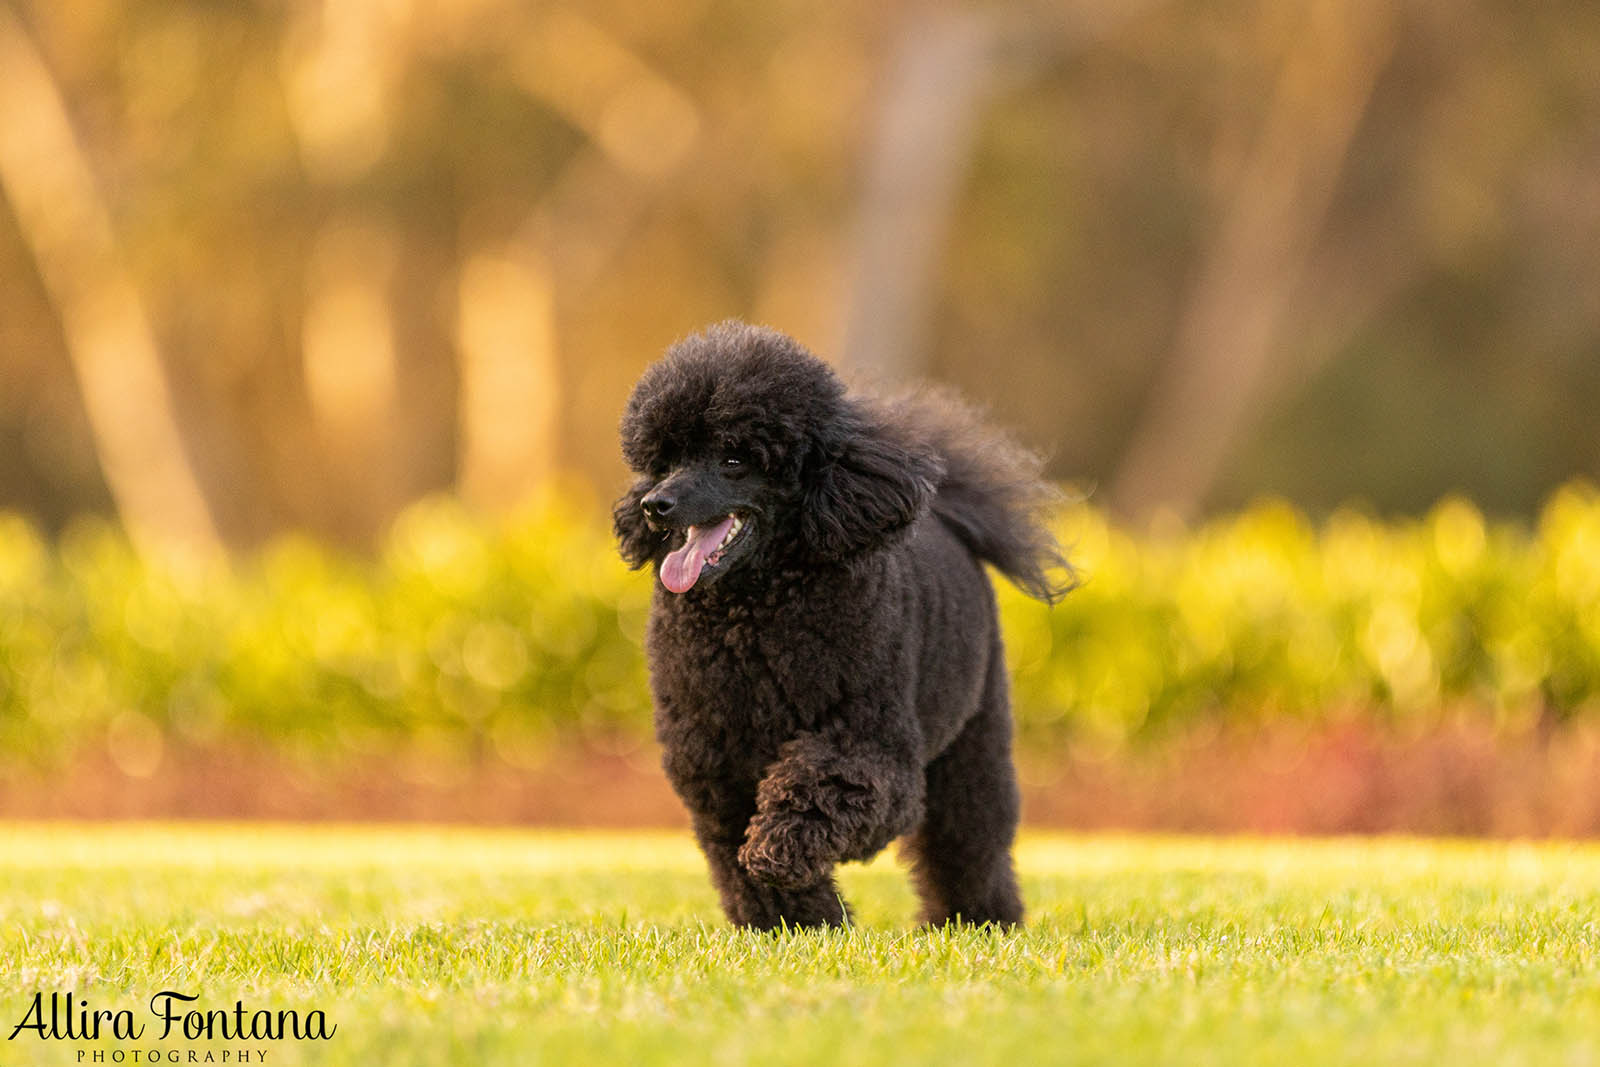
825	654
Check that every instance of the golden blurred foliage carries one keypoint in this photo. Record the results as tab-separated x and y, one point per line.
295	265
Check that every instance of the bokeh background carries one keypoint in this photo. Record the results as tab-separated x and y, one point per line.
317	318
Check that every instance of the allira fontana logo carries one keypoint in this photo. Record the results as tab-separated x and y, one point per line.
171	1016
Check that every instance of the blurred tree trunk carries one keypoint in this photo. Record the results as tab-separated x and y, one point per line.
352	380
1228	335
67	226
510	377
924	137
338	65
921	145
642	130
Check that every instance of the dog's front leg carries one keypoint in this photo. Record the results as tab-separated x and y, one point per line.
824	801
721	813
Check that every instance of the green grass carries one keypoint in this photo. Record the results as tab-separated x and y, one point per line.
471	946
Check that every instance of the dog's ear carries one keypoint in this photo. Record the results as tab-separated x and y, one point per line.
635	539
865	488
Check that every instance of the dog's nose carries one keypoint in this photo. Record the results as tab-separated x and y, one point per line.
658	505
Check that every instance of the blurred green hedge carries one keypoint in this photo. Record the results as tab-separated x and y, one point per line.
477	639
1263	614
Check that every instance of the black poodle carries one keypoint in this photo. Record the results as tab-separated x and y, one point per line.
823	645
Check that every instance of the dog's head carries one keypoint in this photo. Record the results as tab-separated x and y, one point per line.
749	453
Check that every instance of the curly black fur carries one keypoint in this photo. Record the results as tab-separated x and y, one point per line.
831	678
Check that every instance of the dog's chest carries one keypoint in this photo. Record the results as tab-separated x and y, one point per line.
739	683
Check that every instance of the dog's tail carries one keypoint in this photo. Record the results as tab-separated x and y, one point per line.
993	496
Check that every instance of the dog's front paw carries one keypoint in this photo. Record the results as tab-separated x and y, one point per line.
784	856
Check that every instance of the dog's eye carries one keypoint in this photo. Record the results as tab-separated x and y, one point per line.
732	463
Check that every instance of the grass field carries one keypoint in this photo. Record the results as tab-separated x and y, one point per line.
466	946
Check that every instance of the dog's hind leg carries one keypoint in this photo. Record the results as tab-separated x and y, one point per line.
961	853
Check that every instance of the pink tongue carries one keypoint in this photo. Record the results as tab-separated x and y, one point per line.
681	569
